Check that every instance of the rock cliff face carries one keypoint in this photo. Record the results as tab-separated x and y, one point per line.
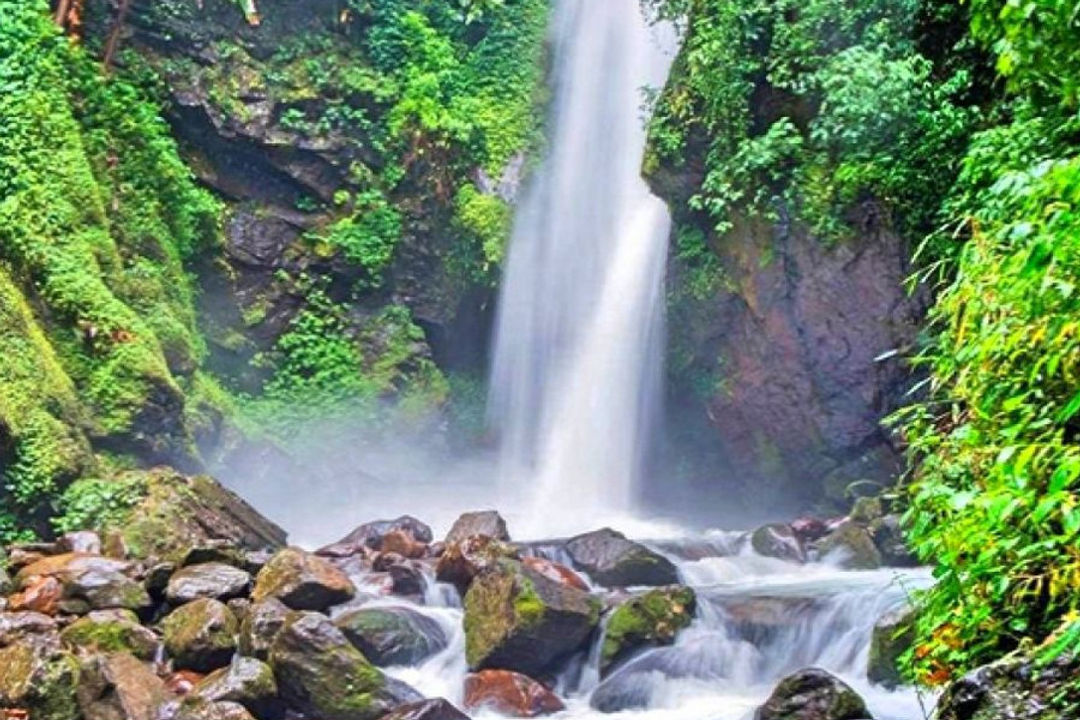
785	363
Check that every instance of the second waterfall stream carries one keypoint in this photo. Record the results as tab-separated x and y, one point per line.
578	351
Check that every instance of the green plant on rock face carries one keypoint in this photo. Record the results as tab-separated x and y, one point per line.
844	108
98	504
369	236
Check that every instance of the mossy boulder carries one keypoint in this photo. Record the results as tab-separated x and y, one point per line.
195	707
893	635
207	580
517	619
246	681
302	581
866	510
201	636
320	674
173	513
851	546
261	624
652	619
464	559
612	560
36	675
813	694
111	631
392	635
485	522
1015	688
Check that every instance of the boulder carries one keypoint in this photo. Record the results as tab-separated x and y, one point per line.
893	634
554	571
201	635
302	581
37	676
194	707
778	541
889	539
119	686
226	553
371	536
207	580
808	529
39	594
260	626
813	694
851	546
611	560
111	631
648	620
404	544
464	559
175	513
1015	688
82	541
99	582
392	635
509	693
486	522
434	709
320	674
517	619
16	626
246	681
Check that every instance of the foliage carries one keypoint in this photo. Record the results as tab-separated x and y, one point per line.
97	214
995	499
95	503
813	106
368	237
328	365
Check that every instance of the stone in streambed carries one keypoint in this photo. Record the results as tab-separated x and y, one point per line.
851	546
611	560
320	674
517	619
893	634
99	582
486	522
207	580
261	624
1015	688
889	539
554	571
194	707
648	620
302	581
464	559
246	681
201	635
119	686
509	693
370	536
392	635
434	709
111	631
813	694
778	541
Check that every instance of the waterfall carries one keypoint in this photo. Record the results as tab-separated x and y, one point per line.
577	364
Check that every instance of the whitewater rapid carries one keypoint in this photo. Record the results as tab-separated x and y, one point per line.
758	620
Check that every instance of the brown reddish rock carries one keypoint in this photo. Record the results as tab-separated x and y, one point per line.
371	536
434	709
510	693
41	594
404	544
554	571
119	686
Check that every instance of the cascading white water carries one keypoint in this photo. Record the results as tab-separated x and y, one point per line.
577	363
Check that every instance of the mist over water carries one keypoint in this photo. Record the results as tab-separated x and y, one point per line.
575	384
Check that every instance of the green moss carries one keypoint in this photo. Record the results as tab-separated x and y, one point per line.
650	619
120	633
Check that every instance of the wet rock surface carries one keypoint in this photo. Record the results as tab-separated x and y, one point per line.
611	560
813	694
1015	688
517	619
648	620
486	522
207	580
509	693
893	635
392	635
200	635
302	581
